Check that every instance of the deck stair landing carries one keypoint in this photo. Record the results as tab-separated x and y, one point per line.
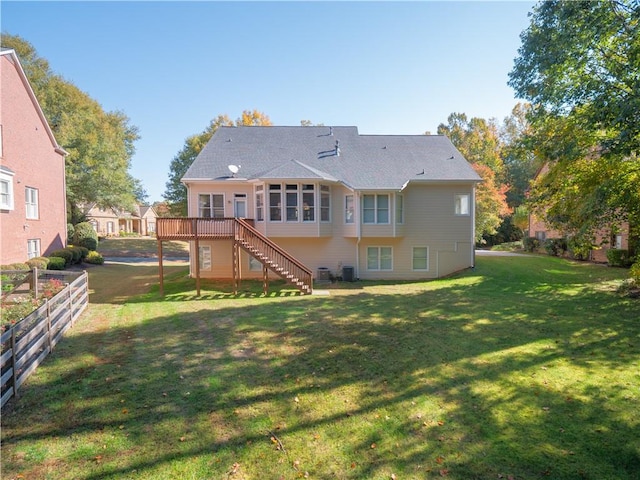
272	257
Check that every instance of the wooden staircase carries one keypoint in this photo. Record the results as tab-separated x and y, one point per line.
271	256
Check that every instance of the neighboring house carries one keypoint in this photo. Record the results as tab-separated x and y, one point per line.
343	204
33	216
615	237
112	222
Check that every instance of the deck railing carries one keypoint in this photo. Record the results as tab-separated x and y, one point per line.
190	227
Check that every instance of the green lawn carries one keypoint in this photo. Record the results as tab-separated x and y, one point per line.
525	368
140	246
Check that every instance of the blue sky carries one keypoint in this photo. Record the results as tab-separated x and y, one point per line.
388	68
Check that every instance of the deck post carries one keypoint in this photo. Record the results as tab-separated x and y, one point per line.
194	224
160	270
265	280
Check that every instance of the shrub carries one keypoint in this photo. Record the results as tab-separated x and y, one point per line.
634	271
530	244
63	253
555	246
38	262
579	248
70	231
85	236
94	258
15	266
76	252
84	251
617	257
56	263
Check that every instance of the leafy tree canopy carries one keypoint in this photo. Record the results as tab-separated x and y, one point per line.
176	193
579	66
100	144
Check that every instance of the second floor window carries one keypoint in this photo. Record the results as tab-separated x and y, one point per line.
375	208
31	202
6	192
211	205
348	209
275	202
291	195
462	204
325	203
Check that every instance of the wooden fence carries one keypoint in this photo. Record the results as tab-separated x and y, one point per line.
27	343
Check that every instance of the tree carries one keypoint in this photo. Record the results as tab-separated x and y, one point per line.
176	193
479	142
100	144
578	65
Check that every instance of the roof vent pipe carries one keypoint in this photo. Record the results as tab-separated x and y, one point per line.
337	148
331	131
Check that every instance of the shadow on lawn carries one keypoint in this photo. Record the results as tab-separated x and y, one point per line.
474	385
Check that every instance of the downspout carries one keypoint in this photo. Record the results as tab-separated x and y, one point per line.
473	227
358	218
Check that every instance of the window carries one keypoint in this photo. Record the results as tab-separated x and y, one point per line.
151	227
205	257
6	190
462	204
618	242
260	203
254	264
211	205
275	202
348	209
110	228
541	235
31	202
291	196
325	203
308	203
375	208
399	209
379	258
421	258
33	248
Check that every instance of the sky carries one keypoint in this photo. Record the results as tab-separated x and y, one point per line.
171	67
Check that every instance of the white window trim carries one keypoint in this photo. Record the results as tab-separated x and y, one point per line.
399	209
379	248
8	178
376	208
32	205
211	194
35	252
455	204
352	211
413	257
205	257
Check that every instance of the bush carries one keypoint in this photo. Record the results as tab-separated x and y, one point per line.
56	263
76	252
63	253
15	266
85	236
70	231
634	271
84	251
38	262
94	258
530	244
617	257
555	246
579	248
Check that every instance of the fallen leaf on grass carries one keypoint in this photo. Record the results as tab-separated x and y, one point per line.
439	460
373	445
444	472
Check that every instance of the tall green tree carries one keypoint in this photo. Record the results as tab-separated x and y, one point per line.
578	66
176	193
479	142
100	144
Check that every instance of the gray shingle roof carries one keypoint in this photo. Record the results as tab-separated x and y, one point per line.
376	162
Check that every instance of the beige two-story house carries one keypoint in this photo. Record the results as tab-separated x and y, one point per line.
394	207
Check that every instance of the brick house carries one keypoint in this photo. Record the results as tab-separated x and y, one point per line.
616	236
33	212
106	222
